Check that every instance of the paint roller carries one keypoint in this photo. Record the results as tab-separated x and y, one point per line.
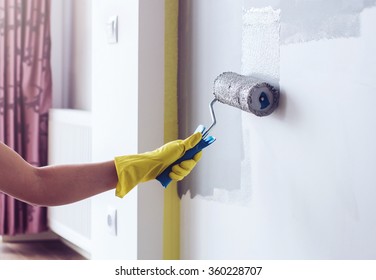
244	92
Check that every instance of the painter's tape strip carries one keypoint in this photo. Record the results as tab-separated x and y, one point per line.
171	216
261	40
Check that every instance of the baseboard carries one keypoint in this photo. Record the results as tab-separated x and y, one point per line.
79	250
48	235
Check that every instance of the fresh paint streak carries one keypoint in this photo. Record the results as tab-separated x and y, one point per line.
209	44
307	20
260	58
304	21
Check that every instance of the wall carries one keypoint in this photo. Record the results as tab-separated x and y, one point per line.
121	61
297	184
122	85
127	110
71	53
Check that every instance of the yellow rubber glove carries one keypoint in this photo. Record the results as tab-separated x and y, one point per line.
135	169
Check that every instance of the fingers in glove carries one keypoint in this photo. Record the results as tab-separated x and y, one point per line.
197	156
182	169
192	140
175	177
179	171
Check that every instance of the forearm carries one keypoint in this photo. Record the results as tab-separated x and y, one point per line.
63	184
53	185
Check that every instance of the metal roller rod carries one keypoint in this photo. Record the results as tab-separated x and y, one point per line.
214	120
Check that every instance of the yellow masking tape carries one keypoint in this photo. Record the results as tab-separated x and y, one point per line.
171	226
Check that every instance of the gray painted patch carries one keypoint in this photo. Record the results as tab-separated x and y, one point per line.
310	20
303	21
210	38
250	4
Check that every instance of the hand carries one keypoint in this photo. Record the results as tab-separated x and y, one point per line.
135	169
179	171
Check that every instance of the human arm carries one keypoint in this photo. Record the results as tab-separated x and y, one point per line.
53	185
63	184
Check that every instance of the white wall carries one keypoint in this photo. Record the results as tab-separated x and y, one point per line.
80	59
298	184
123	86
127	109
71	53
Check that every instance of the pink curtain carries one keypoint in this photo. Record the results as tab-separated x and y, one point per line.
25	97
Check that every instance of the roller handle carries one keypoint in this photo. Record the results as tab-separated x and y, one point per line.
164	177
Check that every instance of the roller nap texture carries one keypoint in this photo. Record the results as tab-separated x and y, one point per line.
246	93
